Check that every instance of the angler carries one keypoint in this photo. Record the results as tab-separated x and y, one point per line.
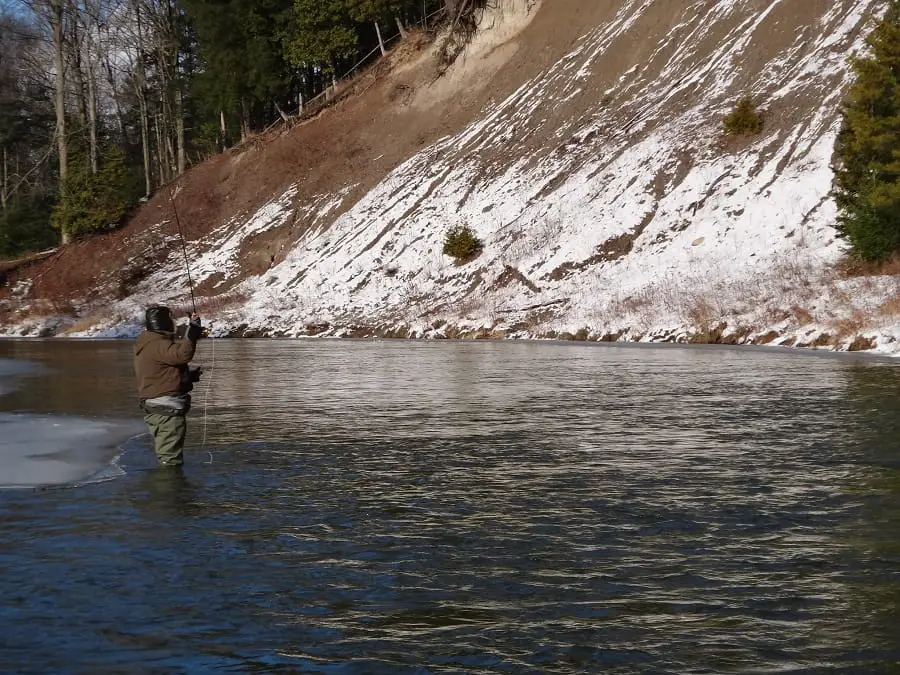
165	380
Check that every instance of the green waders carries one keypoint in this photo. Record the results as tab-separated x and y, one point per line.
168	438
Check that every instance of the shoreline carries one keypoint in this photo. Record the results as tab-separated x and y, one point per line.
661	341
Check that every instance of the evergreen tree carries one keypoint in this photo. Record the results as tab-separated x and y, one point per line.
364	11
244	69
24	226
322	33
374	11
156	79
744	120
95	201
867	184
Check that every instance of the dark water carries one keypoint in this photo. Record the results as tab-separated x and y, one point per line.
469	508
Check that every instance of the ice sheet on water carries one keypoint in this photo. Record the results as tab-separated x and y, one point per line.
40	450
55	449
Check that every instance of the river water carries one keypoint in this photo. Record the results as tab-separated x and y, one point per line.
480	507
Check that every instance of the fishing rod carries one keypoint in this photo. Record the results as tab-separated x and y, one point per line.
187	267
187	264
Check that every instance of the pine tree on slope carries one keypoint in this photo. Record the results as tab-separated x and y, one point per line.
867	184
322	33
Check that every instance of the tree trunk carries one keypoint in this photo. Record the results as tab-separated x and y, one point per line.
145	144
92	119
162	116
170	153
245	120
111	80
380	41
307	86
120	118
5	179
401	28
166	124
334	81
166	150
62	144
78	77
224	129
284	116
179	129
160	153
142	103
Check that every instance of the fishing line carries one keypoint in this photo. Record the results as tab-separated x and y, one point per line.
212	370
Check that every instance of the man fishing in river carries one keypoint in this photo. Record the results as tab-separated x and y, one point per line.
165	380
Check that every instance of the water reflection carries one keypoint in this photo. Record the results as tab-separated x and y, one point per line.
874	592
476	508
83	377
165	493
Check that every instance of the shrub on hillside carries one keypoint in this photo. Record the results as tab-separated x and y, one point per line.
462	243
867	183
24	227
744	120
94	201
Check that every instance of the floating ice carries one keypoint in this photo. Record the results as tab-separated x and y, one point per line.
40	450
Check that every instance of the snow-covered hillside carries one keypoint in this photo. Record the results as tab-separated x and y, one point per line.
608	201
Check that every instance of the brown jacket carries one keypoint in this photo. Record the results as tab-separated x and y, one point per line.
159	361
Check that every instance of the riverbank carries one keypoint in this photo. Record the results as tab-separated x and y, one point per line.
810	305
840	337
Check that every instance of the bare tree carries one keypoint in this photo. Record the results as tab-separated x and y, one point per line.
140	72
24	108
106	47
57	23
54	15
161	35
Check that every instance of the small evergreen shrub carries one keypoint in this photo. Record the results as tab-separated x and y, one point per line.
90	202
462	243
744	120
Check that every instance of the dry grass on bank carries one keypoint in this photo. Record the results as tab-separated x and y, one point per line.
834	305
850	267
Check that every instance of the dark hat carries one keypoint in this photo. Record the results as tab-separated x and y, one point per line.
159	319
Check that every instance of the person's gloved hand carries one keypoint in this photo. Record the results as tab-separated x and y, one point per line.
195	328
195	374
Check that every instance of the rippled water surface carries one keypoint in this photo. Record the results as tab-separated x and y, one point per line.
360	507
